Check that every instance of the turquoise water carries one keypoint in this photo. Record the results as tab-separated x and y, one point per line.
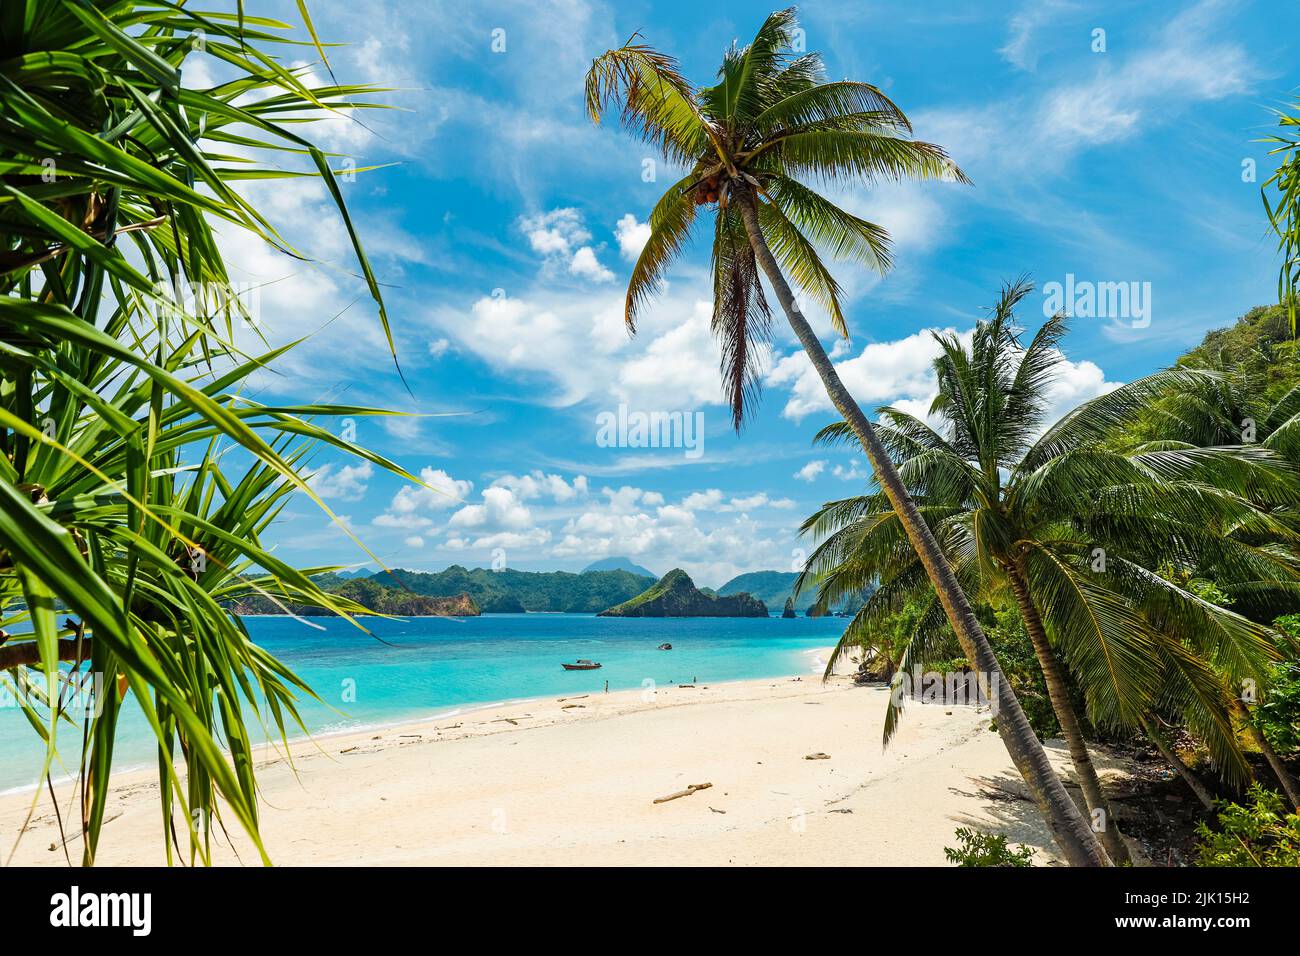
432	666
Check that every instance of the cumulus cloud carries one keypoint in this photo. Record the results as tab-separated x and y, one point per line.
346	483
810	471
580	344
537	484
411	504
632	236
560	237
584	264
500	509
854	471
901	373
881	373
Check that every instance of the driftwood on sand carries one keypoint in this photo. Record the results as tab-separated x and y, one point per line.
684	793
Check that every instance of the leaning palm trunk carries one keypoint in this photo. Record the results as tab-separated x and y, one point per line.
1059	693
1190	777
1283	775
1070	830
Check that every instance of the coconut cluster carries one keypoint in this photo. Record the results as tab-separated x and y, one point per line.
708	190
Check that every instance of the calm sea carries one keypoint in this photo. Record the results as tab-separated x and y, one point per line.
428	667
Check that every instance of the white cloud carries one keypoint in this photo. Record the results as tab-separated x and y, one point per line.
707	548
585	265
411	504
854	472
580	344
881	373
1022	46
810	471
1146	82
560	236
439	347
346	483
632	236
901	373
414	541
703	500
556	232
500	510
537	484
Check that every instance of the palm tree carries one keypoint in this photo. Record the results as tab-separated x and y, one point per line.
749	143
1066	529
1231	407
118	406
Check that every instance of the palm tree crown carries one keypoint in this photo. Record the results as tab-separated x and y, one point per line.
771	122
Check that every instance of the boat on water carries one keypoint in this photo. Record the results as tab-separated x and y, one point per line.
665	647
581	665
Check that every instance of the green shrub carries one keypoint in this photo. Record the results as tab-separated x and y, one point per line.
1260	834
987	849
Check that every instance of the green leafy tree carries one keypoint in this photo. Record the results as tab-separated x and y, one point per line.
750	144
987	849
119	402
1261	832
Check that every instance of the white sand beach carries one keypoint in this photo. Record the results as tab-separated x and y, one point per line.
572	781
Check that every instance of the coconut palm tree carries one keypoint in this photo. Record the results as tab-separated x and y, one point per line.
750	144
1230	407
126	528
1070	532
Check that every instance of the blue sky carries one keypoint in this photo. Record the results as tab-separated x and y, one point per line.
506	231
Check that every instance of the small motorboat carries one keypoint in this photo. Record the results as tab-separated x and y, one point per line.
581	665
665	647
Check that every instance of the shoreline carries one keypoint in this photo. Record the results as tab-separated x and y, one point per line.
389	725
795	766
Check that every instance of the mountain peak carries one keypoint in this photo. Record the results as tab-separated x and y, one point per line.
619	564
675	595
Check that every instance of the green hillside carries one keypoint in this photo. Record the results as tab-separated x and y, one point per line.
675	595
509	591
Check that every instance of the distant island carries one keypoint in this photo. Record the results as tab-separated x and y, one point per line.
675	595
372	596
620	564
407	593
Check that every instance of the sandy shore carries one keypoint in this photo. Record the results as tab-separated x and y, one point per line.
573	780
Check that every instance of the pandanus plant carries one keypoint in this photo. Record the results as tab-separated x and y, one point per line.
749	146
1075	536
1284	209
135	480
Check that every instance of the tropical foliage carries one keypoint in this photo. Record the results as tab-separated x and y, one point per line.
1097	549
755	147
1284	208
136	482
1259	832
977	849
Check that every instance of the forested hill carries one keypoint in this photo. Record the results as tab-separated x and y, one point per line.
509	591
1262	364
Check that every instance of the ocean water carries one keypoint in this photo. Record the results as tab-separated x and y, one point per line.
428	667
